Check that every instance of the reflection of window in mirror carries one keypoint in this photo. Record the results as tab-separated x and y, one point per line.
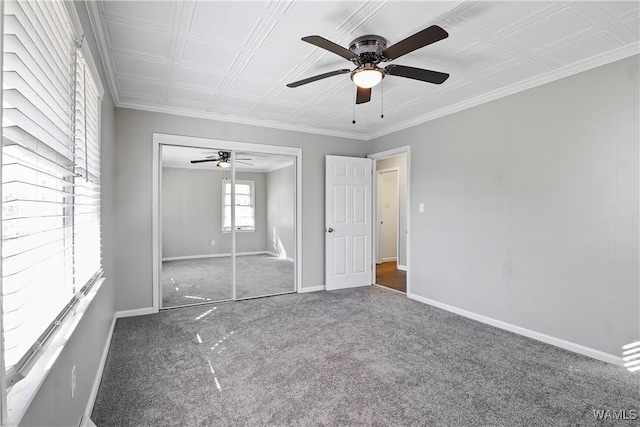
245	205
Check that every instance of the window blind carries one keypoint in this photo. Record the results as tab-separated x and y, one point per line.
86	226
50	177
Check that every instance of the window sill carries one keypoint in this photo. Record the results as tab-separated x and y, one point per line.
21	395
238	231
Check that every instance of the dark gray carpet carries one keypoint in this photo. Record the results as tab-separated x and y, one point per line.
366	356
193	281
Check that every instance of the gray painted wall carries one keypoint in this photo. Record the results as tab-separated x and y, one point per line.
134	131
53	406
531	208
401	163
192	213
281	225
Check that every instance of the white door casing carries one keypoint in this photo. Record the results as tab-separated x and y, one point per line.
382	155
348	228
378	220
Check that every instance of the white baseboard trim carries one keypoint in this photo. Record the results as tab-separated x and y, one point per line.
576	348
275	255
402	267
134	312
337	288
86	420
389	259
386	288
179	258
312	289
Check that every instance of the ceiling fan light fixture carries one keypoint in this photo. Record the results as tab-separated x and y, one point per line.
224	164
367	77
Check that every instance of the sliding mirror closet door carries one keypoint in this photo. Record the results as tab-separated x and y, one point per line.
265	228
196	242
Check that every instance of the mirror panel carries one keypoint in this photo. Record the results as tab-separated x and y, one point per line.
196	248
265	257
197	231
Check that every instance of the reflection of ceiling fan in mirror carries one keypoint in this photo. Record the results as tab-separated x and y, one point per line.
223	159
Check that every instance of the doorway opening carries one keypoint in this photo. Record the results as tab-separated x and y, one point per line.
391	219
388	224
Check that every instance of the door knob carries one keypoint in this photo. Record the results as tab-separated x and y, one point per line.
330	230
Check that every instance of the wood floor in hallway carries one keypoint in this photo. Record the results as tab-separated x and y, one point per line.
387	274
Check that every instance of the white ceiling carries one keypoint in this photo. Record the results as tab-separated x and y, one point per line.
231	60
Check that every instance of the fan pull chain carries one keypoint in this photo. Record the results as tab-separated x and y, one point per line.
354	110
382	99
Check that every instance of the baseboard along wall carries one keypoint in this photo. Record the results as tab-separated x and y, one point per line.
86	419
275	255
576	348
134	312
312	289
223	255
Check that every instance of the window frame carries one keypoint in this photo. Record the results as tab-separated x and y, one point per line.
15	400
252	186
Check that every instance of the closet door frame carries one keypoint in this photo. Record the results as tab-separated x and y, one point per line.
160	139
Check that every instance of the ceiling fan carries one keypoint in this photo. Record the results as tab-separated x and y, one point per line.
366	52
223	159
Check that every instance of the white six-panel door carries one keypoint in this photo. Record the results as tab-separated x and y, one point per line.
348	222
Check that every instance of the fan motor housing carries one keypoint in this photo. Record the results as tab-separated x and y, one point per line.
368	44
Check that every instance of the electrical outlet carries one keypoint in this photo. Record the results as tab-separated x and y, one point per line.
213	243
73	381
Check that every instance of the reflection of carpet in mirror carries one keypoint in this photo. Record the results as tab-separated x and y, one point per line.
194	281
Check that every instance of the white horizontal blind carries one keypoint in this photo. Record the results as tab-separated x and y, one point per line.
37	155
42	266
244	203
86	227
